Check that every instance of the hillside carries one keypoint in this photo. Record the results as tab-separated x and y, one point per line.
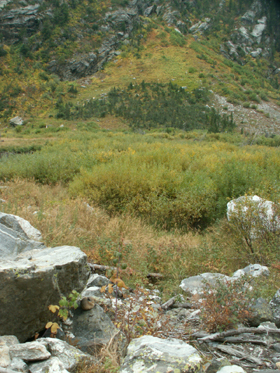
54	53
136	123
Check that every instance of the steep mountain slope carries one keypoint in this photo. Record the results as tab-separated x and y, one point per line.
230	47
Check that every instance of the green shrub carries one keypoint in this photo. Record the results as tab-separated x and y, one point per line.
259	233
177	38
192	70
253	96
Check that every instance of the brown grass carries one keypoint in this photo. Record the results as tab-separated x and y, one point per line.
107	360
66	221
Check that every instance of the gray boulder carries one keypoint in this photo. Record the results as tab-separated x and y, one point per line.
261	312
259	29
155	355
93	329
20	225
254	270
42	355
32	277
29	351
255	213
275	305
15	234
53	365
256	53
70	356
16	121
150	10
195	284
97	280
248	17
200	26
231	369
18	365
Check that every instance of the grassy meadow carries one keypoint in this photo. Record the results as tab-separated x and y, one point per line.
158	197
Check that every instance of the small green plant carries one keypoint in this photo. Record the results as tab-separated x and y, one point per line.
62	311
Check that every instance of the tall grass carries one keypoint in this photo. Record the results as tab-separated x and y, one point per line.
169	181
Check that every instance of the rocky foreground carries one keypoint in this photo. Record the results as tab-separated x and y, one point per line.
34	277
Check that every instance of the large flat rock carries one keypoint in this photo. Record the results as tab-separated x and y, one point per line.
32	281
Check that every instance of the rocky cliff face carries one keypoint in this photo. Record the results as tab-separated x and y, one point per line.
253	32
21	21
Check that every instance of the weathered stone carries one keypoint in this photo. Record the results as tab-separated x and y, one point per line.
70	356
97	280
231	369
5	359
8	340
16	121
171	16
53	365
254	212
195	284
34	279
261	312
249	16
275	305
200	26
276	347
14	20
152	354
231	48
254	270
93	329
259	29
256	53
93	291
150	10
20	225
29	351
19	365
216	364
13	240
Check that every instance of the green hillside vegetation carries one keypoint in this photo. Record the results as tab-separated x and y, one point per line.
155	53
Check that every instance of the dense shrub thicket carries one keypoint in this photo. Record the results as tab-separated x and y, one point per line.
168	181
149	105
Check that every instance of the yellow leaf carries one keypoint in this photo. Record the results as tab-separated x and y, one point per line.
119	283
103	289
54	328
53	308
110	288
48	325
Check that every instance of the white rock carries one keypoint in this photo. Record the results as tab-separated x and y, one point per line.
16	121
53	365
152	354
231	369
30	351
258	30
69	355
254	211
4	356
